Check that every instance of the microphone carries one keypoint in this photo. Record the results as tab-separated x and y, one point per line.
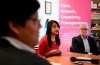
93	61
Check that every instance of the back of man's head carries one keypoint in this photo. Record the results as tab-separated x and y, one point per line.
17	11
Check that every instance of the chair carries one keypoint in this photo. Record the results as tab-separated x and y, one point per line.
71	49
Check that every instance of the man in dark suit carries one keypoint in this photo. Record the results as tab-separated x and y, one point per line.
19	31
84	43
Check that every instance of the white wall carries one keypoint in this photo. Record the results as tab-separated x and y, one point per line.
53	16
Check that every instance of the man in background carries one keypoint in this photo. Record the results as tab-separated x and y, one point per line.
84	43
19	30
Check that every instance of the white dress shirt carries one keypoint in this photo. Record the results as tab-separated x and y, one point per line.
19	45
86	44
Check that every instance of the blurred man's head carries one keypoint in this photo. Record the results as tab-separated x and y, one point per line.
19	19
83	29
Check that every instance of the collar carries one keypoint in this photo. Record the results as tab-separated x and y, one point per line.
83	38
19	45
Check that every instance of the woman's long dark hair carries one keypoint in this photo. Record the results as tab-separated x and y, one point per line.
48	33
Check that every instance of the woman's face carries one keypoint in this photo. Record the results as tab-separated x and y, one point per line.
54	29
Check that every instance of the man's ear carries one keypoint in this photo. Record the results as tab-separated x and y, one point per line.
14	27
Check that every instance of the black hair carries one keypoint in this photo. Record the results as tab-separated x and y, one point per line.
48	33
17	11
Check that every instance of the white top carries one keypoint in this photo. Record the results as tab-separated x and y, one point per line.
19	45
86	44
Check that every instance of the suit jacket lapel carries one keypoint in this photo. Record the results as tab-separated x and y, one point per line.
89	42
81	43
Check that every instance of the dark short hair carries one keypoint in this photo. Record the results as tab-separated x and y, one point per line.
16	11
48	32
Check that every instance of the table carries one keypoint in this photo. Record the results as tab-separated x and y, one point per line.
64	59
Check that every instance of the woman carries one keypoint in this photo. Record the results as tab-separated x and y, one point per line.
49	44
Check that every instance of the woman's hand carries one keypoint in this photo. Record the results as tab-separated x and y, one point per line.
53	52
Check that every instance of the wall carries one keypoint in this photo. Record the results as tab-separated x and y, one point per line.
54	14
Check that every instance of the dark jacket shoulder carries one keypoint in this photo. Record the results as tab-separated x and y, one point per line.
10	55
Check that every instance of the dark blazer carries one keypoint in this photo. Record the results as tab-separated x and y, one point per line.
9	55
78	46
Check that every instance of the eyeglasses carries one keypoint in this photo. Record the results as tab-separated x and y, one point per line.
34	19
83	29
